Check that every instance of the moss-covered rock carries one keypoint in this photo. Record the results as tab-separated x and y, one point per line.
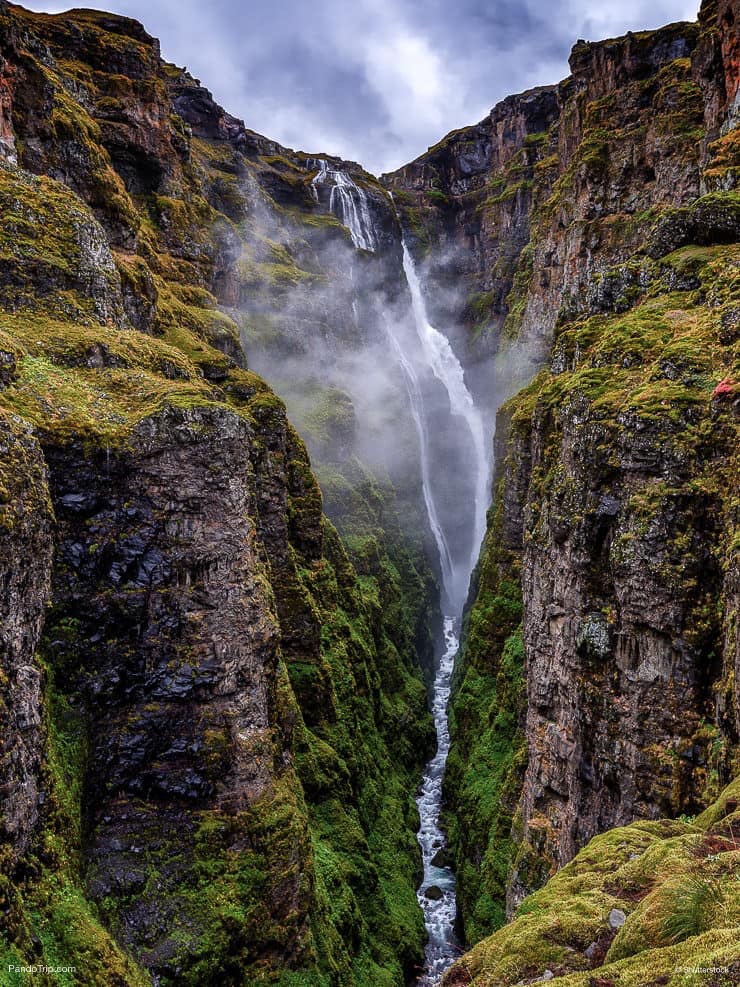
225	718
654	902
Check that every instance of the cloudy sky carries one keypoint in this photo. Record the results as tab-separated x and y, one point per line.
377	81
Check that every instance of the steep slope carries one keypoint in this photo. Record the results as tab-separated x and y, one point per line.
654	902
604	221
203	776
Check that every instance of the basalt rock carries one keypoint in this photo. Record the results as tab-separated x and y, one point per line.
25	557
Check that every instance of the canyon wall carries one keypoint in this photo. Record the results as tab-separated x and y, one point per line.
211	669
213	709
592	231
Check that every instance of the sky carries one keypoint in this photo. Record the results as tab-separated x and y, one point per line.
377	81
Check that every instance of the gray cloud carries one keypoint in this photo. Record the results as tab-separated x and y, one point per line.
377	81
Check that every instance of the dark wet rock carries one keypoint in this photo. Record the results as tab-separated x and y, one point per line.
25	564
443	858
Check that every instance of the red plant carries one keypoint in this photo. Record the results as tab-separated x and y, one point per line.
724	387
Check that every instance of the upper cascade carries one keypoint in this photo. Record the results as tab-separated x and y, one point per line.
349	203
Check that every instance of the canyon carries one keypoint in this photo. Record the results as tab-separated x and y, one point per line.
290	454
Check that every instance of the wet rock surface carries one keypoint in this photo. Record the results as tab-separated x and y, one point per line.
25	559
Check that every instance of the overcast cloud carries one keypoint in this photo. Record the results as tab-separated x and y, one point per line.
377	81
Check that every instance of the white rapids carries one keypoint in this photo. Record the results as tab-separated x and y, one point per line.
443	946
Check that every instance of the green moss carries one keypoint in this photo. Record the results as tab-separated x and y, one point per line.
438	197
488	750
676	882
516	301
49	921
366	859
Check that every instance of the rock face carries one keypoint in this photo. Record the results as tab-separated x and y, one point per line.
612	539
202	769
466	205
25	557
173	641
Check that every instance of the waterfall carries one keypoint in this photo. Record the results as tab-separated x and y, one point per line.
348	202
430	352
455	485
424	350
445	366
416	402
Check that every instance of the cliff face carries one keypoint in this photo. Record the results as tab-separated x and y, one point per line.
613	536
213	712
466	207
202	773
26	561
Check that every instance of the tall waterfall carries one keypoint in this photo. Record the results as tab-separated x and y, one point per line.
446	368
416	401
455	483
432	351
348	202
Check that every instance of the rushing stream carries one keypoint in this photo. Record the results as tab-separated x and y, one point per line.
443	947
437	892
424	354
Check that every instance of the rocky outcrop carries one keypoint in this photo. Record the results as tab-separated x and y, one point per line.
639	904
25	558
577	175
163	624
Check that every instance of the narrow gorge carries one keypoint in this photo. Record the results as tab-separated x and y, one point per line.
369	546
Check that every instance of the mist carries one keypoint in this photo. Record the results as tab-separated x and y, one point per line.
371	383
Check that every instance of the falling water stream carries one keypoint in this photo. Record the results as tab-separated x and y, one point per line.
445	366
349	204
443	946
429	351
437	892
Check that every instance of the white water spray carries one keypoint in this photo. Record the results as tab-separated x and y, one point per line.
416	401
446	368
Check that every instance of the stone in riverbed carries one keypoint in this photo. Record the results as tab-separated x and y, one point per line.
442	858
434	893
